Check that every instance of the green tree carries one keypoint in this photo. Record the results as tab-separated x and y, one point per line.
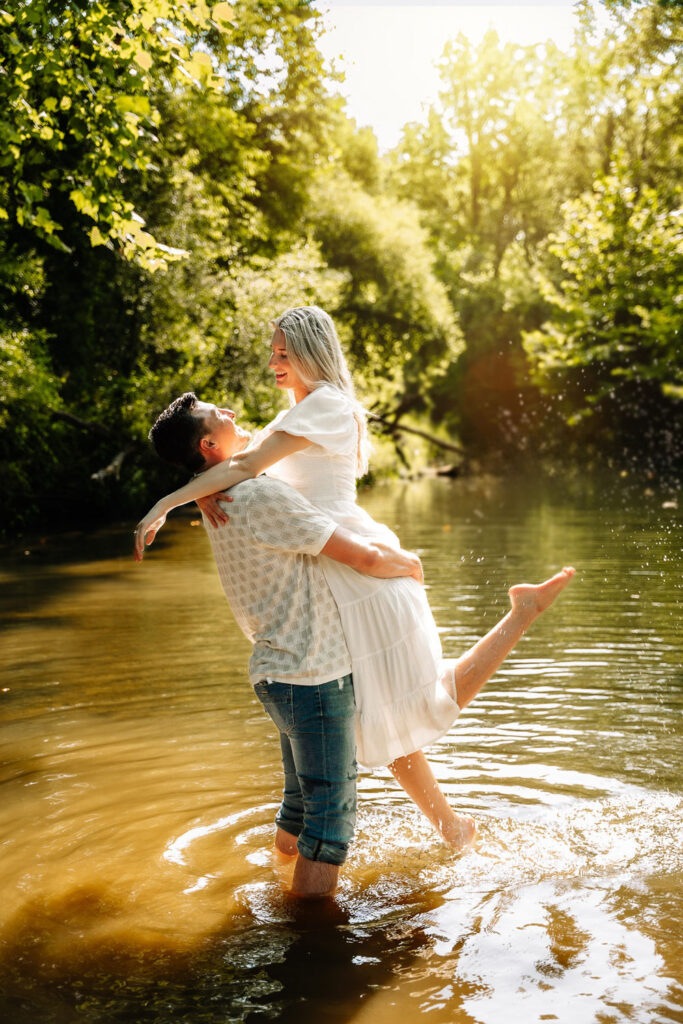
520	132
228	119
613	339
483	171
623	102
75	109
394	313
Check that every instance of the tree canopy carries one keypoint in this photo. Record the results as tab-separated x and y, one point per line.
174	173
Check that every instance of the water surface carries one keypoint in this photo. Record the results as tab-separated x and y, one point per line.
140	778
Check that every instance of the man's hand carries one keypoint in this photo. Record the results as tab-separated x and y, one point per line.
212	509
146	531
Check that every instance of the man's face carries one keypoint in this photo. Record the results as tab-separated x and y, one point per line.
224	438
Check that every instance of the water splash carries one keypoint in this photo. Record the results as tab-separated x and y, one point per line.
635	832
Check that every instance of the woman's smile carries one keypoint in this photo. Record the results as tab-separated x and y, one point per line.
286	376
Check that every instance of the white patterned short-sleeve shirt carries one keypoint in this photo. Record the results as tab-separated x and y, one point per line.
275	586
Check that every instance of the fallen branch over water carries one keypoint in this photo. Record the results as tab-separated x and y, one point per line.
114	467
392	427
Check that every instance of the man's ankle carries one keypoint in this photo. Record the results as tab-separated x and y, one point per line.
314	879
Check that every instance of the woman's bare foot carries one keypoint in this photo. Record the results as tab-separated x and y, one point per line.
530	599
460	832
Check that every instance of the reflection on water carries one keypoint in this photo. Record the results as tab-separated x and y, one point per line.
139	782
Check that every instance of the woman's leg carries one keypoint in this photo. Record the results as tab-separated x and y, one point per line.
413	773
477	666
470	673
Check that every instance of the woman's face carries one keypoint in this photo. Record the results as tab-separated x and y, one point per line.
286	376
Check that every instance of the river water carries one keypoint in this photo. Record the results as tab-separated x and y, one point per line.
140	778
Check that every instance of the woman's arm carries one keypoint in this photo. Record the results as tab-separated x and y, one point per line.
217	478
254	461
372	558
267	452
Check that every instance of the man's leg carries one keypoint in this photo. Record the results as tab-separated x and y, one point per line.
310	878
290	817
470	673
317	815
314	879
323	746
285	843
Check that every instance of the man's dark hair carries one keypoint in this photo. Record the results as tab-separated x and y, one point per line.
177	433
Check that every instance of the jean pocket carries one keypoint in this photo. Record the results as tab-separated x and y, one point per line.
276	699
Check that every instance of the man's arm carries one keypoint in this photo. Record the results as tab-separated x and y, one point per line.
370	557
281	518
214	480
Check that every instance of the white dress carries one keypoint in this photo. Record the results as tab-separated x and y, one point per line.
398	671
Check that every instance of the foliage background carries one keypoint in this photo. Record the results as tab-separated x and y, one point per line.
174	173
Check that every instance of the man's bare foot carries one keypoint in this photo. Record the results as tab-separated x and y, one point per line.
460	832
283	865
530	599
285	844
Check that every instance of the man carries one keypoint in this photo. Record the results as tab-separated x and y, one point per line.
300	666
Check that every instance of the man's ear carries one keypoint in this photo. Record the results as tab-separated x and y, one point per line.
206	444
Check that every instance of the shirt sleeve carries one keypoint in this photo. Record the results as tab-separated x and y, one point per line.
325	417
280	518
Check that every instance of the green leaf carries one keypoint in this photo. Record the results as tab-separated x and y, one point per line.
143	59
32	193
83	203
44	221
222	13
200	65
133	104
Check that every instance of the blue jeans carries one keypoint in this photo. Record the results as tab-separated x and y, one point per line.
316	725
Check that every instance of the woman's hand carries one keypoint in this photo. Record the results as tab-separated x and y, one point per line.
417	571
399	563
147	529
212	508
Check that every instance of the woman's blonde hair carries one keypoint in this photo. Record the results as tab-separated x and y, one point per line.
315	352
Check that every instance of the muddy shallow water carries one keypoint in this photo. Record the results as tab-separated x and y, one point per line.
140	776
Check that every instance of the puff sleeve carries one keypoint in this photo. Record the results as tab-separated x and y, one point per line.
325	417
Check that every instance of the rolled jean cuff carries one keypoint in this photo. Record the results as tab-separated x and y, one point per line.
322	850
292	828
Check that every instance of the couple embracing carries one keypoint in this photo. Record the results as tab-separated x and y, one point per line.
346	655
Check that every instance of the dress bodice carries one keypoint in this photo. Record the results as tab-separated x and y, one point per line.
318	475
326	471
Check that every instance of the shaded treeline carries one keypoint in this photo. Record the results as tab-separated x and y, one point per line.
173	175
